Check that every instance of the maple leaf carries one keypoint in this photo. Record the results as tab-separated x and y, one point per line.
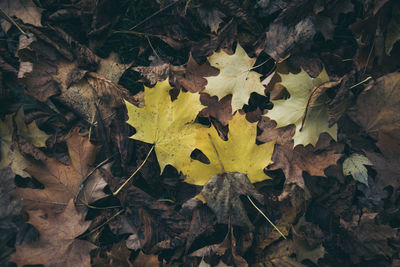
56	245
62	182
222	194
294	160
310	120
238	154
235	77
354	165
168	125
30	132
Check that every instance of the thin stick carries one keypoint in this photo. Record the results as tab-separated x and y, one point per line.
154	14
101	225
10	19
265	216
366	80
134	173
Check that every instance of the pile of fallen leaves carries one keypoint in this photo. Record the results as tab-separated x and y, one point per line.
200	133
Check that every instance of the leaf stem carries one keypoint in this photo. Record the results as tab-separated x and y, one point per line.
135	172
265	216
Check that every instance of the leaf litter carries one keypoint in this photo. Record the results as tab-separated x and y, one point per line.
264	106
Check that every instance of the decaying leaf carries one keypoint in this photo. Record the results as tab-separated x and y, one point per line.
388	162
25	10
222	193
168	125
62	182
238	154
236	77
291	111
355	165
30	132
57	244
220	110
393	30
281	254
378	106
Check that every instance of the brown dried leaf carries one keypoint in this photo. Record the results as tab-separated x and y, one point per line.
222	193
193	79
388	162
220	110
62	182
378	106
57	244
25	10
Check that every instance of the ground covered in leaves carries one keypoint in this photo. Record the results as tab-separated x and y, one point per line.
200	133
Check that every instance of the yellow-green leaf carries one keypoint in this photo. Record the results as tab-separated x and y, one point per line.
166	124
290	111
238	154
235	77
355	165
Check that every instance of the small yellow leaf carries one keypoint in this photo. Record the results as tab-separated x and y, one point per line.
239	154
300	87
235	77
166	124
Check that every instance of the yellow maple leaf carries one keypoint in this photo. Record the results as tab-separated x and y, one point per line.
235	77
30	133
238	154
291	111
168	125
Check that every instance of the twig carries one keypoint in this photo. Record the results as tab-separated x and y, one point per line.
154	14
134	173
10	19
101	225
265	216
357	84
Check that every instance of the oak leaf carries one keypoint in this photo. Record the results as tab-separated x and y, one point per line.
30	132
63	182
166	124
26	10
310	120
235	77
238	154
57	244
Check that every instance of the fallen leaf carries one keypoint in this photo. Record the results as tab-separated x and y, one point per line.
378	106
11	208
222	194
57	244
363	238
194	74
281	254
146	260
31	133
166	124
354	165
393	30
118	256
220	110
291	111
26	10
387	163
63	182
211	17
238	154
236	77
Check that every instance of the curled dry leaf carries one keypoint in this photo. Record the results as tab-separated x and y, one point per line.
63	182
222	194
29	132
58	244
